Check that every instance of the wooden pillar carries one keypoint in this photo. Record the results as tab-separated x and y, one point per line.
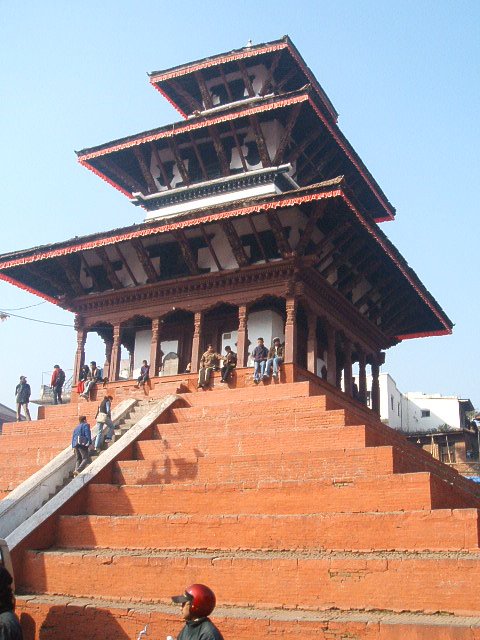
375	384
114	368
291	330
108	357
331	355
196	342
347	369
155	347
362	377
312	346
79	354
242	338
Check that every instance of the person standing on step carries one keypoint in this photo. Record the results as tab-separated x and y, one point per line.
197	602
208	363
229	363
275	359
259	355
57	382
81	441
22	398
144	374
104	417
10	628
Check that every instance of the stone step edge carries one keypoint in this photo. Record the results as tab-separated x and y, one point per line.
439	619
262	554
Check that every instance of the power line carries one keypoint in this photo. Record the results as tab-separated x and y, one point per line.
58	324
37	304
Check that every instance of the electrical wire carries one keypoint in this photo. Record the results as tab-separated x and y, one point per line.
57	324
29	306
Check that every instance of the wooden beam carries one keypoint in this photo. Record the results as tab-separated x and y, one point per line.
180	164
286	78
210	246
111	275
125	264
298	149
36	273
295	112
257	237
151	186
108	166
194	105
199	157
160	165
144	260
318	169
310	227
239	147
90	272
267	83
187	253
220	151
345	237
206	96
279	234
246	79
260	141
225	84
235	243
72	277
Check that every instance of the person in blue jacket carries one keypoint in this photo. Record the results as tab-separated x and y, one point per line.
81	441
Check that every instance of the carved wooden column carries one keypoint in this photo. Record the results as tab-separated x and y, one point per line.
312	346
331	355
347	369
362	377
291	330
242	339
80	353
196	342
108	357
375	384
155	347
114	369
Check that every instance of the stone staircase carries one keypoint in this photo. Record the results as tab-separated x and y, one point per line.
305	514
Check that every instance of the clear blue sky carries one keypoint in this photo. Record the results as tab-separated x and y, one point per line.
404	77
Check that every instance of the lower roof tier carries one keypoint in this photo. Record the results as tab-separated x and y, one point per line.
319	229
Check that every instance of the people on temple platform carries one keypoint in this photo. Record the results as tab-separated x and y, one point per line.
10	628
229	363
144	374
94	376
259	355
197	602
104	417
275	359
208	362
81	441
57	382
22	398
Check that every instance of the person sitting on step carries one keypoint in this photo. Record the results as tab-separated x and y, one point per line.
275	359
144	374
94	376
229	363
208	363
259	355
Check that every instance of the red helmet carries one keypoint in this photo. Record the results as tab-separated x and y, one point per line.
202	600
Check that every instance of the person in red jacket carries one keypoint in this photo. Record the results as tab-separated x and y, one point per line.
57	382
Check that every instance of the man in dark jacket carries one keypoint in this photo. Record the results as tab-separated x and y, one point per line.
259	356
229	363
197	602
104	417
57	382
22	397
10	628
275	358
81	441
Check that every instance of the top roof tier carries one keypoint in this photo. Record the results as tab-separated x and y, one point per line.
263	69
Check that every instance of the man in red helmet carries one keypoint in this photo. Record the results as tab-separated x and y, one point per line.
197	602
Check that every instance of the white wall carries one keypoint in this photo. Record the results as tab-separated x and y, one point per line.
443	410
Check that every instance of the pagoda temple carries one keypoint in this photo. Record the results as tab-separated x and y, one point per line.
260	220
